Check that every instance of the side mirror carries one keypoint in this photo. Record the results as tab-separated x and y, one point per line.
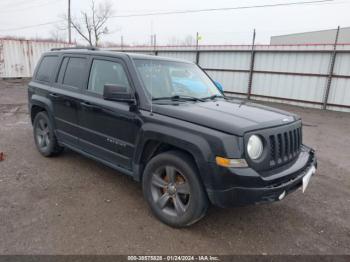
219	86
117	93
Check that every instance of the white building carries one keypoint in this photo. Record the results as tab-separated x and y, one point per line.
314	37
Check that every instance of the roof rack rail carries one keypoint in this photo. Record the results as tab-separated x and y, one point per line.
75	47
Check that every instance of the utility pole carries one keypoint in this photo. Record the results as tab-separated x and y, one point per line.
197	46
121	42
251	69
331	70
154	41
69	24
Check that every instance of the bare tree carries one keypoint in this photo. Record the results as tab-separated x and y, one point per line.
92	25
58	34
187	41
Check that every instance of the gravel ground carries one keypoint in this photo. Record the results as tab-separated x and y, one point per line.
72	205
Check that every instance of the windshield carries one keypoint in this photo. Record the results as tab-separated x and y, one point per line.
168	79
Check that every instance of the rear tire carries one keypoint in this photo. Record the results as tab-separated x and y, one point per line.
172	189
44	136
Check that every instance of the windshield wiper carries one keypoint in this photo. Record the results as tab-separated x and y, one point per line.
178	98
213	97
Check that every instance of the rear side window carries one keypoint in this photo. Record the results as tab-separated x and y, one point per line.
106	72
74	72
46	68
62	69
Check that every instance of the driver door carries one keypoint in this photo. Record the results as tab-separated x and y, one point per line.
108	128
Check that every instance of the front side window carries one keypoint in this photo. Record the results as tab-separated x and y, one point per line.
106	72
47	68
74	72
168	78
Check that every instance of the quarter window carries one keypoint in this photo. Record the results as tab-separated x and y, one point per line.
46	68
75	72
106	72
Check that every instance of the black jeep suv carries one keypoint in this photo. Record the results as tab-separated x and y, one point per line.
167	124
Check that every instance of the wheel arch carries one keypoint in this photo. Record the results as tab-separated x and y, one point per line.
160	139
39	104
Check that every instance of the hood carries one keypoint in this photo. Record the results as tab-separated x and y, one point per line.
230	116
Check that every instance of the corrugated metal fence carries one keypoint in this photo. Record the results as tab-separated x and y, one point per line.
296	74
19	57
309	75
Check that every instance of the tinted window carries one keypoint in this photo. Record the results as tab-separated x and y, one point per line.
74	72
46	68
106	72
62	69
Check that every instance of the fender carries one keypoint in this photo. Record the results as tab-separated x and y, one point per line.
45	103
196	145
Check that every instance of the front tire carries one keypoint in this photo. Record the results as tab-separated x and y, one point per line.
173	190
44	136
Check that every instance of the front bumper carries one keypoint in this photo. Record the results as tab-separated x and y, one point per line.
253	188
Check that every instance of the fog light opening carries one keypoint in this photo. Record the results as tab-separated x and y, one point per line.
281	196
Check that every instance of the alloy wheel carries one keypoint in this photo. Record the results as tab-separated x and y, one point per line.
170	190
42	134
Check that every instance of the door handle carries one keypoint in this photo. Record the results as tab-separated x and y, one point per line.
54	95
89	106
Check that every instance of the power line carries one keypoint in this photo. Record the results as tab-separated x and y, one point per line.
49	2
186	12
16	4
222	9
32	26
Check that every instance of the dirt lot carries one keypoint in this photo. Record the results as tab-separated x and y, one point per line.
73	205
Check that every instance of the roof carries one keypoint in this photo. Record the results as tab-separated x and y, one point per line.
88	50
153	57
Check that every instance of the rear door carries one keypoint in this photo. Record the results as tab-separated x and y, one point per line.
108	128
65	97
42	82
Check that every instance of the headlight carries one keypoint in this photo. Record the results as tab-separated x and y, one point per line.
255	147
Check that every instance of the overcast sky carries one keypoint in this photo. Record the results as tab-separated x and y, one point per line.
220	27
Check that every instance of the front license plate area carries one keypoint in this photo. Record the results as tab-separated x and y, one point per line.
306	178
